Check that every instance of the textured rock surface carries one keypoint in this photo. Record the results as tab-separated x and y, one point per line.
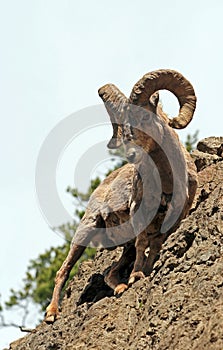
180	306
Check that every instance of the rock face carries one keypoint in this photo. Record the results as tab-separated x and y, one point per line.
179	306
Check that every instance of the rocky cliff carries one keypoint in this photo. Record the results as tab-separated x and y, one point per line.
180	306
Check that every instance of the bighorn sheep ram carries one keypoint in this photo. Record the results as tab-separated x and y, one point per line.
140	204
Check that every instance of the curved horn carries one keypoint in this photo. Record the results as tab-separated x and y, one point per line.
169	80
114	101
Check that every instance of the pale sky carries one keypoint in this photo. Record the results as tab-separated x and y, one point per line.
54	57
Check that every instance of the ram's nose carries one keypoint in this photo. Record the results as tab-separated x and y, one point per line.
131	156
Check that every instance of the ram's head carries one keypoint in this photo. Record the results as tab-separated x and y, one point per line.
140	115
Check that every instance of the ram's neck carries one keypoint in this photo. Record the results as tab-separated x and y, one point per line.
156	170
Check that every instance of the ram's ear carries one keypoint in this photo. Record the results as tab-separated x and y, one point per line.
154	99
116	139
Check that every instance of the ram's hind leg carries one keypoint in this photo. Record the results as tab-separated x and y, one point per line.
62	275
82	237
113	277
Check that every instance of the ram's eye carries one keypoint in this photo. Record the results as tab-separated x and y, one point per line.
146	117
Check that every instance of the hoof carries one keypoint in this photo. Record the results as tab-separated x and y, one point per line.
120	288
52	314
135	276
50	319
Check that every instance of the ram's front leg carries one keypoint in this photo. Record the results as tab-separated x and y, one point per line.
155	246
141	244
113	277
